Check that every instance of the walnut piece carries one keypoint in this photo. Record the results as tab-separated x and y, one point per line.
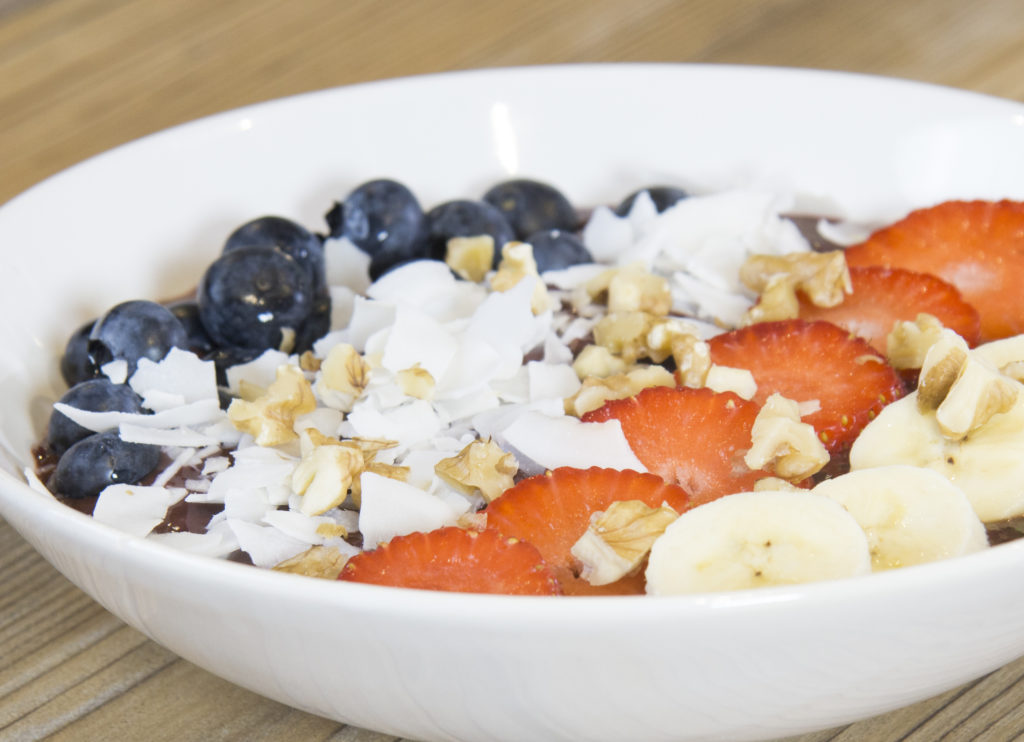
595	391
822	277
470	257
907	344
618	539
270	418
939	369
780	443
342	378
479	467
728	379
416	382
597	361
326	472
324	562
633	288
516	264
978	393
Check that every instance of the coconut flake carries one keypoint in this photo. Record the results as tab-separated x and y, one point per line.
196	413
551	381
346	266
265	545
260	371
164	437
135	509
180	460
391	508
205	544
116	371
566	441
180	378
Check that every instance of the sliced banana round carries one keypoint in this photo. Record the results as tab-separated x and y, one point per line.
910	515
757	539
987	464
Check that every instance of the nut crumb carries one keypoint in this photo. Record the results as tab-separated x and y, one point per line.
324	562
470	257
618	539
822	277
270	417
780	443
482	466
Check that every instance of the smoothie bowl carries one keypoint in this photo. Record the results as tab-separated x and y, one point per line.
721	660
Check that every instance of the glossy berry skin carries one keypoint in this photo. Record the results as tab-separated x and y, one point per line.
466	219
227	356
100	460
134	330
381	215
289	237
662	196
75	365
187	312
96	395
254	297
530	206
555	249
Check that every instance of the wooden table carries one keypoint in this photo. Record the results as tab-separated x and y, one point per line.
80	76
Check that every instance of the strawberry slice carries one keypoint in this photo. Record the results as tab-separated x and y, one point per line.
693	437
552	510
807	361
883	296
978	246
455	560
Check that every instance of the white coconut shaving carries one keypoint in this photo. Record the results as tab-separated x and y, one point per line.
135	509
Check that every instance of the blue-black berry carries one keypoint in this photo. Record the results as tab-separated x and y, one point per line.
530	206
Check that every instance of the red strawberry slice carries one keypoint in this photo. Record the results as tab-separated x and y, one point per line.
807	361
978	246
455	560
883	296
693	437
552	510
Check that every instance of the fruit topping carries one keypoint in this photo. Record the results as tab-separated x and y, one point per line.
530	206
97	395
133	330
814	361
455	560
661	197
978	246
695	438
463	218
881	297
553	510
100	460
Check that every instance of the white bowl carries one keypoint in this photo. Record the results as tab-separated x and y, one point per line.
144	219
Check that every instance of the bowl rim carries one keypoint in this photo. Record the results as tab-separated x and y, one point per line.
100	541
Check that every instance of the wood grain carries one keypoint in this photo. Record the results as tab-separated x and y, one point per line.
80	76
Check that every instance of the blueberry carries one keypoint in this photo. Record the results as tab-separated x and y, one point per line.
227	356
554	249
466	219
663	197
134	330
381	215
530	206
288	236
187	312
100	460
254	297
317	324
96	395
75	365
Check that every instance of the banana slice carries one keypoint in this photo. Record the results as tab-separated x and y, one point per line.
987	464
910	515
757	539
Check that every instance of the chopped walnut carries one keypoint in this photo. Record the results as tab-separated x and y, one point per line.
516	264
470	257
343	377
822	277
632	288
416	382
782	444
618	539
771	484
624	334
326	472
270	417
728	379
309	362
597	361
939	369
325	562
908	343
595	391
479	467
979	393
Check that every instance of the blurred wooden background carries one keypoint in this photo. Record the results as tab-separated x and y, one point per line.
80	76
